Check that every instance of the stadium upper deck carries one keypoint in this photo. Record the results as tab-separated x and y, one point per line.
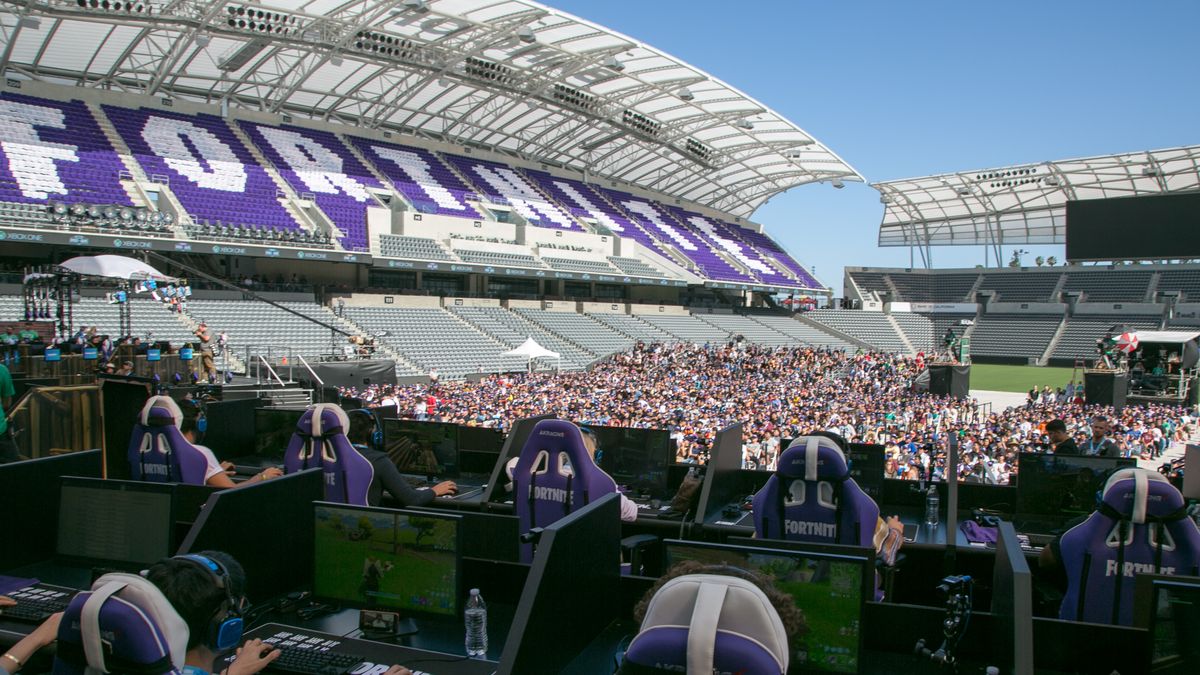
281	122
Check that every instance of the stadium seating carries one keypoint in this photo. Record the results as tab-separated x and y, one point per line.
317	163
503	185
513	330
579	265
1109	287
1014	335
593	336
673	233
768	248
262	327
1026	286
633	327
871	282
870	327
418	248
803	333
747	327
719	238
1187	281
933	287
497	258
635	266
687	328
436	338
206	166
1078	340
925	331
421	177
55	150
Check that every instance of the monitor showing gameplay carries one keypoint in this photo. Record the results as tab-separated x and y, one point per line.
829	588
1063	486
387	559
636	459
273	429
422	448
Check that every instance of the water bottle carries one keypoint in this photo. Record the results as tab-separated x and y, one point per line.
931	505
476	621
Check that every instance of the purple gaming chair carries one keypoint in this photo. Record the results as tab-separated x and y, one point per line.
158	452
1140	527
709	623
553	477
320	440
811	497
123	625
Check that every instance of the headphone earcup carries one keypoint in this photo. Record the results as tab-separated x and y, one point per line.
377	439
202	423
226	633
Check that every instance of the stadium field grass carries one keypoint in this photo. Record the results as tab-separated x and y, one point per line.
992	377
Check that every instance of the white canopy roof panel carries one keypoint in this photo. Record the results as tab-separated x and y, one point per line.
511	76
1023	204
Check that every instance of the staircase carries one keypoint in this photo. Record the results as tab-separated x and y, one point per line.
288	196
901	334
136	173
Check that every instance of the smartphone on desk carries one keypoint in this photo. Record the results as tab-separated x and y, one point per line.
911	530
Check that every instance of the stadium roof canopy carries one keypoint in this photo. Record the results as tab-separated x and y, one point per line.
512	76
1023	204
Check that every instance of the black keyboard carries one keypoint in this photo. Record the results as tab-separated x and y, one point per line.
309	655
35	604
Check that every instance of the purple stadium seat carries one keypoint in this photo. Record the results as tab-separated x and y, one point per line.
56	150
420	176
505	186
554	476
208	168
320	441
123	625
811	497
317	162
716	234
1139	527
158	452
709	623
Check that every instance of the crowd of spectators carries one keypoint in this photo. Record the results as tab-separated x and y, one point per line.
779	393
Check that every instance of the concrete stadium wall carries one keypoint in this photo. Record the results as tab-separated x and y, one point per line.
382	300
470	302
604	307
1026	308
670	310
1140	308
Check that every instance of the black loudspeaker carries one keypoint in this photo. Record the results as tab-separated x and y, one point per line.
1106	388
948	380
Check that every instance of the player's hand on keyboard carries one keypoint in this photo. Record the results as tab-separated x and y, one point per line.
253	657
6	601
269	473
445	488
398	670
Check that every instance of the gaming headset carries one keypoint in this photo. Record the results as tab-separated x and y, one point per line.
201	418
225	627
377	434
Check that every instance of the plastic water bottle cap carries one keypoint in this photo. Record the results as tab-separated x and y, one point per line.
474	591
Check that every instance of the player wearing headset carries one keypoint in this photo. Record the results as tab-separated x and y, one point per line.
366	437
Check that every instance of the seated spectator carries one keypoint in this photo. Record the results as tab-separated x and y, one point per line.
387	476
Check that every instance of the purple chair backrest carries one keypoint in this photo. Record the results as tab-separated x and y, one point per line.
811	497
710	623
320	441
158	452
123	625
554	476
1140	527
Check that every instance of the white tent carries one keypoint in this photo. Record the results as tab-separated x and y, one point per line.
114	267
531	350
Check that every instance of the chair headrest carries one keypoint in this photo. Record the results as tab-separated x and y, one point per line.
160	411
323	419
556	437
707	621
1140	493
122	612
813	458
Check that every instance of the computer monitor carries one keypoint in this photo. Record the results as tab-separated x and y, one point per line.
1169	606
496	491
1191	472
114	522
637	459
478	449
424	448
273	429
866	462
721	483
1062	486
827	588
267	527
395	559
1012	603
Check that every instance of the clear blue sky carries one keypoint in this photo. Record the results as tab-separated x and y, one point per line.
906	89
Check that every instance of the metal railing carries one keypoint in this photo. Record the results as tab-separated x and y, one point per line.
271	370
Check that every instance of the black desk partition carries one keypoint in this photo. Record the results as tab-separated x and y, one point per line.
230	427
719	487
1012	604
572	591
267	526
29	500
495	493
121	401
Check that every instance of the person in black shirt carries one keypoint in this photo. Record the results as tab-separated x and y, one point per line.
387	476
1062	442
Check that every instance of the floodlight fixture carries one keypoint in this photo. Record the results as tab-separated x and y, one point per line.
837	183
